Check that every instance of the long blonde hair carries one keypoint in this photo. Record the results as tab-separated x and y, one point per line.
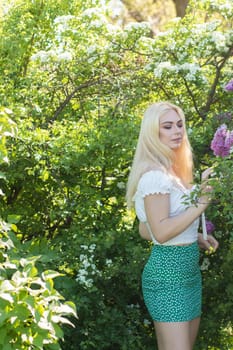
151	153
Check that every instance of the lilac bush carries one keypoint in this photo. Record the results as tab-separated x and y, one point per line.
222	141
229	86
209	227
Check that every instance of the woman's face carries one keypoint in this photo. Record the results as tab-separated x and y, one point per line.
171	129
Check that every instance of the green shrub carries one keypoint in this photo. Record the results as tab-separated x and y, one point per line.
32	311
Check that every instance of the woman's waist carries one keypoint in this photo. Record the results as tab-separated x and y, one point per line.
177	243
175	258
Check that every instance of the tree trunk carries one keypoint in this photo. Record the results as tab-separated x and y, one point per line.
180	7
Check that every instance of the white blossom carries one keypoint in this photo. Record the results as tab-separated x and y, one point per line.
82	257
146	322
87	266
111	28
117	8
161	66
96	24
192	67
57	55
91	59
92	247
137	25
133	306
205	28
165	33
65	56
93	12
63	19
91	49
219	40
83	246
175	20
227	6
172	45
90	12
108	262
205	264
43	56
148	67
121	185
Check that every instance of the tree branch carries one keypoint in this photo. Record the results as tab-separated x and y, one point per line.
71	95
212	91
192	97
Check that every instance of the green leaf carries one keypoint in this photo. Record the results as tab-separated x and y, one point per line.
38	341
50	274
13	218
7	297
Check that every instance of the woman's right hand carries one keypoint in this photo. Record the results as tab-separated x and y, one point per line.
206	174
206	189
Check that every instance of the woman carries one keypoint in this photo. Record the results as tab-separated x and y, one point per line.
159	187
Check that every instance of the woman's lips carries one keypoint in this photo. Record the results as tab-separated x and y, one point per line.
179	139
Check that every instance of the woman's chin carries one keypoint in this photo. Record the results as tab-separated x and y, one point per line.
176	146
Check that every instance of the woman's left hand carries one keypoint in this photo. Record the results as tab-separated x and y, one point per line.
210	245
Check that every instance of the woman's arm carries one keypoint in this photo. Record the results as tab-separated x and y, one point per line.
210	245
143	231
164	227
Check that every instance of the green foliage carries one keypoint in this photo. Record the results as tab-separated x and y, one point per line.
31	309
77	82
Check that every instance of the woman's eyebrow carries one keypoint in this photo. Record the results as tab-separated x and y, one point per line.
170	122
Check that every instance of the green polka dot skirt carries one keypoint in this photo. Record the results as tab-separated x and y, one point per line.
171	283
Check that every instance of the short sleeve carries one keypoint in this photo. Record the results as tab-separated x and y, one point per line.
154	181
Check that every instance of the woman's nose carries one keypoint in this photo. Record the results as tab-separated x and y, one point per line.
177	129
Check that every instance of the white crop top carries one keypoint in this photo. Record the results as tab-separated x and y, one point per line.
157	181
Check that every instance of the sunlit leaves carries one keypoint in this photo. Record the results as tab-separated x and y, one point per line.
31	310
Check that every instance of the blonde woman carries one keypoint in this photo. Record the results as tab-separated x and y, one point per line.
160	179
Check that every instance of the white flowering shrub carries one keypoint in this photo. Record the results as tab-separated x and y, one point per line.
87	267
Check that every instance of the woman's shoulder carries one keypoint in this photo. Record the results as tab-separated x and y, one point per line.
158	173
155	180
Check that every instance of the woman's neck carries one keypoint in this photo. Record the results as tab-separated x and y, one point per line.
178	178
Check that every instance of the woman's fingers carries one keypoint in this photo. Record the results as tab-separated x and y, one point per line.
206	173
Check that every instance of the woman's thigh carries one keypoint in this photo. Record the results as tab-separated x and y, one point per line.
194	326
173	335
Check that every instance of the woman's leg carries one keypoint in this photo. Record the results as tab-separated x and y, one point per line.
177	335
194	326
173	335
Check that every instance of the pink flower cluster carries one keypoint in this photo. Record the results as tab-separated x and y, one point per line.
222	141
229	86
209	227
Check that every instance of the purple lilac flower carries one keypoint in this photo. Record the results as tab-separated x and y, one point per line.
209	227
229	86
222	141
229	139
218	142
